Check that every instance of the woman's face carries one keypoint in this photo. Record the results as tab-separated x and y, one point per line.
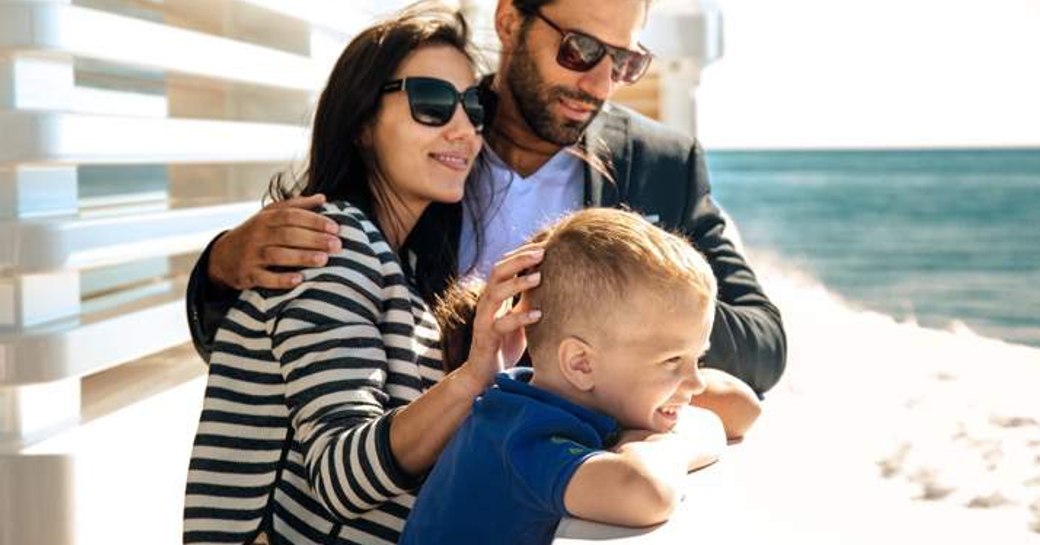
424	164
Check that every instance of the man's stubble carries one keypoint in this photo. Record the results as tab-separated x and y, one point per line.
533	97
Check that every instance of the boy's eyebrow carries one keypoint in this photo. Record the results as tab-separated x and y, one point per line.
654	350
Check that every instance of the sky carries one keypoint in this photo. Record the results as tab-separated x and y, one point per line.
877	73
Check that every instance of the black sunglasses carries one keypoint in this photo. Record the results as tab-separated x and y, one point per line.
581	52
433	101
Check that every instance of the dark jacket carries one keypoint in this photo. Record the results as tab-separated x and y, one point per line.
662	174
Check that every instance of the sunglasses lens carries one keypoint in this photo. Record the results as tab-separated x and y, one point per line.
474	108
579	52
432	102
630	66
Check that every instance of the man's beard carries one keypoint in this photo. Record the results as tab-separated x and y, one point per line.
533	98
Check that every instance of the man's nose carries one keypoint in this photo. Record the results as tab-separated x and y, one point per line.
597	81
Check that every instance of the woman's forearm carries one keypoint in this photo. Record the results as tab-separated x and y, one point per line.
420	431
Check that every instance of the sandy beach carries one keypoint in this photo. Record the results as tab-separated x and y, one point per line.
887	430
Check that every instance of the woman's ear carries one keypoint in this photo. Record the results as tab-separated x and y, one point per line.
364	139
573	357
507	25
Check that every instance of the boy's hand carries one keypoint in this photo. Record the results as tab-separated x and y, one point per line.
638	482
703	432
282	234
631	436
698	434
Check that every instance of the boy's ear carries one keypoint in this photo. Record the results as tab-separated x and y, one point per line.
507	25
573	357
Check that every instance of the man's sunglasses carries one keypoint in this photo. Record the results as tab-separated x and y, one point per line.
581	52
433	101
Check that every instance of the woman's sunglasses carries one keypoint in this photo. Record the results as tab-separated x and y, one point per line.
433	101
581	52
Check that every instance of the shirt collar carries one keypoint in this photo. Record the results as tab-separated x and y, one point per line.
562	161
517	381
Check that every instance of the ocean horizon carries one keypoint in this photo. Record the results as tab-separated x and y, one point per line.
941	237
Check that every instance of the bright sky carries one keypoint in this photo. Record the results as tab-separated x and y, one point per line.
874	73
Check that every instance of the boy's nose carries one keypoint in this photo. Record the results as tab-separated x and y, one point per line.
694	381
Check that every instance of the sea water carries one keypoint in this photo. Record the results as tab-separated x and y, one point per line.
937	236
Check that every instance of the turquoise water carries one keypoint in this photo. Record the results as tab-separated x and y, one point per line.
937	235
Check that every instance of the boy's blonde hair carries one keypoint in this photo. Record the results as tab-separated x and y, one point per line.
593	257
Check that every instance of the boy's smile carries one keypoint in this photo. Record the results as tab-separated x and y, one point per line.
645	358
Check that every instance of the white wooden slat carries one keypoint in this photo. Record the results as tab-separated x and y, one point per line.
119	103
95	342
62	138
116	478
47	244
39	298
332	14
88	33
27	191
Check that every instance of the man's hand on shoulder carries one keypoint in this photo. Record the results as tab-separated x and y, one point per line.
283	234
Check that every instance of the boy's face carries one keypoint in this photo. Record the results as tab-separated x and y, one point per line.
646	357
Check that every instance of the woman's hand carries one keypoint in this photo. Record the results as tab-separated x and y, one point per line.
498	327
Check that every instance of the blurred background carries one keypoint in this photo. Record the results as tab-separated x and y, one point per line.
881	159
889	148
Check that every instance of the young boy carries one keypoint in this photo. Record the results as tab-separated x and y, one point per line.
627	312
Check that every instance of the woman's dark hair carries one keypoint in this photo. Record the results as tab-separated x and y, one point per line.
340	167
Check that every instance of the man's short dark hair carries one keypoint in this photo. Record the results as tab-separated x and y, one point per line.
529	7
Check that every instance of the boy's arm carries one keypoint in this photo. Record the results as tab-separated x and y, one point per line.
731	399
638	484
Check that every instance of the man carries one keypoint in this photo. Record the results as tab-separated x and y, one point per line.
560	63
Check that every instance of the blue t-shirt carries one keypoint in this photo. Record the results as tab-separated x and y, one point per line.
501	479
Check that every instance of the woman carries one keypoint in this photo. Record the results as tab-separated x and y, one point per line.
327	403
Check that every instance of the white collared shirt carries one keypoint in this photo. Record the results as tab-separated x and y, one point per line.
517	207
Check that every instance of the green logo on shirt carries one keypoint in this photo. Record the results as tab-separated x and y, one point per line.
574	450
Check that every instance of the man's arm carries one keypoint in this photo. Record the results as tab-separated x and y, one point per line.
638	484
733	401
748	339
285	234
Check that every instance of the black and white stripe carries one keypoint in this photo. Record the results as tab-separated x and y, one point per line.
303	384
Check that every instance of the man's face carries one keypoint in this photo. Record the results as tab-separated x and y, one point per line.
555	102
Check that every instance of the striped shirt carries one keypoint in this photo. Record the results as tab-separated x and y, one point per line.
303	385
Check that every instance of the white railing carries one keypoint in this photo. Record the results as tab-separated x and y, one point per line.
132	132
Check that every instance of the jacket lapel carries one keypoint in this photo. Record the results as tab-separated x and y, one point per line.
607	140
